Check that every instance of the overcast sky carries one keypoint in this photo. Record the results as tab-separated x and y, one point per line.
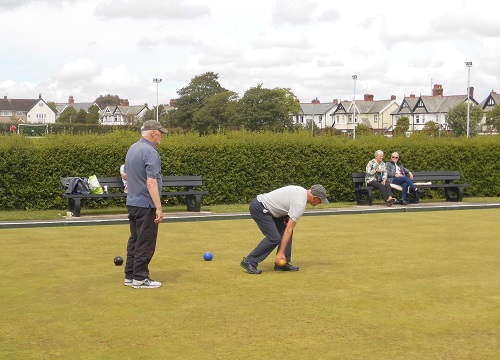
87	48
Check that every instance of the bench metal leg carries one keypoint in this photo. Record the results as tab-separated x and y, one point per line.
364	197
454	194
74	206
193	203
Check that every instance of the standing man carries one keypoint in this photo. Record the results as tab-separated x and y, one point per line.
276	214
144	204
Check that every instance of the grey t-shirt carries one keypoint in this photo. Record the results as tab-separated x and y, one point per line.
289	200
142	162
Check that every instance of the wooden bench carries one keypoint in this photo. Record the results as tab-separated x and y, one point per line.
115	189
433	180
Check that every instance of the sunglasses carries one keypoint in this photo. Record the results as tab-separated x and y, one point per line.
395	157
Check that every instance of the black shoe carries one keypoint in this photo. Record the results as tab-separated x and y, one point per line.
391	201
249	267
419	192
286	267
404	202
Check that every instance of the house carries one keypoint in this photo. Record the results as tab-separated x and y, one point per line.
77	106
487	105
435	108
376	114
26	111
122	114
320	113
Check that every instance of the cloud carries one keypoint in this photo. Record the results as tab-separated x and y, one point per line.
301	12
15	4
76	71
150	9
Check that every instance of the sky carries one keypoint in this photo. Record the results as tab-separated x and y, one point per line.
88	48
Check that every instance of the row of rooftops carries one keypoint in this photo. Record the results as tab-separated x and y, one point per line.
438	102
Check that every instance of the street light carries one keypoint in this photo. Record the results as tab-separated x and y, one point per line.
354	77
157	81
469	65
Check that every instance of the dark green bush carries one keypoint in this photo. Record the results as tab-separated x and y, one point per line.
235	166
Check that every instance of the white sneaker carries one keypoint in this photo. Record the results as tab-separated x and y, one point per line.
128	282
146	284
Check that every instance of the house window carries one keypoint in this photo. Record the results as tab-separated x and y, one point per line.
417	119
40	118
6	113
423	119
375	118
116	118
40	104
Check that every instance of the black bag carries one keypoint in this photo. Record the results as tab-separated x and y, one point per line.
75	185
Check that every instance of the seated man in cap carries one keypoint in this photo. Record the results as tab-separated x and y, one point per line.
276	214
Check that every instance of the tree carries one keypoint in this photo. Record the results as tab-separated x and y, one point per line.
267	109
430	128
191	99
93	115
53	106
108	100
81	116
362	130
492	121
457	119
402	126
68	115
216	112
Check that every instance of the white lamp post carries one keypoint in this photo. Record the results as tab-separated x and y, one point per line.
354	77
157	81
469	65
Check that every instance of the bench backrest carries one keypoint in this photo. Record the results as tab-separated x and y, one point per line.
358	179
167	181
182	181
446	176
420	176
111	182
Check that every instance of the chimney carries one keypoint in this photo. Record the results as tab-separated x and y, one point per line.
438	90
40	96
315	101
172	102
5	97
125	102
335	101
71	101
393	97
471	92
412	95
492	93
368	97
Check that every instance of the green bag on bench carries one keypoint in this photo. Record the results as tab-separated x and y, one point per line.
95	187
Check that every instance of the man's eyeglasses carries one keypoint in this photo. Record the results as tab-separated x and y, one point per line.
395	157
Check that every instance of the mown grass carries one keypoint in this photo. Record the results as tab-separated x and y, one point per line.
377	286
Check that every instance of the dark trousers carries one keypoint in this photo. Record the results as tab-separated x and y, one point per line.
141	243
405	183
385	190
272	228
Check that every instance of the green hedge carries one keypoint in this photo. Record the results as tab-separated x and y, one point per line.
235	166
